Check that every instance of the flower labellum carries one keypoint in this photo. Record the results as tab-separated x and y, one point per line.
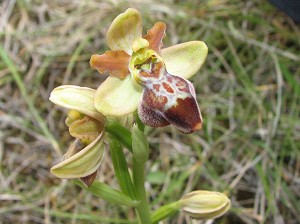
168	99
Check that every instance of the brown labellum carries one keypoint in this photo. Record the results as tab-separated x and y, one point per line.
169	99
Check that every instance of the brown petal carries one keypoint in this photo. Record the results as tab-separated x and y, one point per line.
155	36
115	63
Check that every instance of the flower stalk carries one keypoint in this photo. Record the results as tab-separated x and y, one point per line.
121	169
138	172
120	133
165	211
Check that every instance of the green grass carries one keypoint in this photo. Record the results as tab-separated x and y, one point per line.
248	91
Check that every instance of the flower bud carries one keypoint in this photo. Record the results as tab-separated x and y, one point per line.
205	204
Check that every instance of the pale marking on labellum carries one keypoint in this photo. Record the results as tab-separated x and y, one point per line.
165	85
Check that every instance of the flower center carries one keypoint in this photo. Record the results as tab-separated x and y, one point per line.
142	61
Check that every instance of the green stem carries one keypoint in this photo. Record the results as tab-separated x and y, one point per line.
120	133
121	168
165	211
142	209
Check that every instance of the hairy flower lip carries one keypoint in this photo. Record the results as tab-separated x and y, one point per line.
169	99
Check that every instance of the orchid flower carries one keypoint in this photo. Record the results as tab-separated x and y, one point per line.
86	124
145	77
151	80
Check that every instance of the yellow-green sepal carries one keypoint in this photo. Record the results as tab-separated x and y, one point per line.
117	97
82	163
76	98
185	59
125	28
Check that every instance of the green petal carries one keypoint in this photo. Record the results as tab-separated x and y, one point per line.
76	98
185	59
83	163
116	97
125	28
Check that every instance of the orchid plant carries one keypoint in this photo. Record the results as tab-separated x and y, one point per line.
147	85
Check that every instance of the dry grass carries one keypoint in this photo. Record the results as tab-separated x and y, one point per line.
248	90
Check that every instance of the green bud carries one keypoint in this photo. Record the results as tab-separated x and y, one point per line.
205	204
140	146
